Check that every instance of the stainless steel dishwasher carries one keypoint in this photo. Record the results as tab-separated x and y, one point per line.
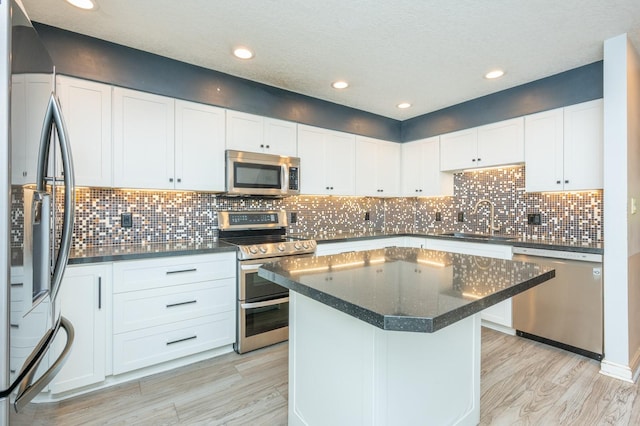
566	311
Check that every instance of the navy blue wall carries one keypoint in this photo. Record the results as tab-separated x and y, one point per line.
571	87
93	59
98	60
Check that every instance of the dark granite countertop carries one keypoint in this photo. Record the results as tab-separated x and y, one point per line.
406	289
515	241
143	251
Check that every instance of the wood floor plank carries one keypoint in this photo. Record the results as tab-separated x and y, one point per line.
523	383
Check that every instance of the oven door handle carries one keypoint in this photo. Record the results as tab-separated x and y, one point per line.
250	267
265	303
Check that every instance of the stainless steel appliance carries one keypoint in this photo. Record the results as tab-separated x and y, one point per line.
566	311
253	173
263	306
32	147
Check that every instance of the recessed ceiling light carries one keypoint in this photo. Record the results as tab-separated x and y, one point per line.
82	4
494	74
242	53
404	105
340	84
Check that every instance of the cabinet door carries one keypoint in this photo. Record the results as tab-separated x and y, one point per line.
311	149
501	143
543	151
340	158
412	167
143	150
583	146
280	137
433	181
367	167
199	147
245	132
83	301
87	112
388	168
458	150
30	96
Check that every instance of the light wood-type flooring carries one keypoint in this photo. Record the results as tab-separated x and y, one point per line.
523	383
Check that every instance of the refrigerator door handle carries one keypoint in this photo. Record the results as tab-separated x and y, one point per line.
53	117
28	390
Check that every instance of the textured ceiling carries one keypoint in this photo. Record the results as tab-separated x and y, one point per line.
431	53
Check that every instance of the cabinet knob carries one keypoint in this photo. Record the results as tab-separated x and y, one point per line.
261	145
268	147
327	187
421	190
24	174
179	180
566	181
479	159
558	182
417	190
331	188
473	160
170	179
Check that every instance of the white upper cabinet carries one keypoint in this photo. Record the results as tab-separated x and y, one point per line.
86	107
29	92
563	148
143	140
421	175
248	132
199	147
162	143
494	144
327	161
377	167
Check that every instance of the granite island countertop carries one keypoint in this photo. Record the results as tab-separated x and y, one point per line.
406	289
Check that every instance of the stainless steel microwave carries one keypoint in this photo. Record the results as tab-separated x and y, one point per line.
253	173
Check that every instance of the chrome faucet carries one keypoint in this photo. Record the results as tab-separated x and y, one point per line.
492	217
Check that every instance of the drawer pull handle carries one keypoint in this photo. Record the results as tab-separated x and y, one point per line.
17	284
181	271
188	302
182	340
15	326
12	371
99	292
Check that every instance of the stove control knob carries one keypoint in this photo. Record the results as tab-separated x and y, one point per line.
305	245
280	247
263	249
297	245
253	249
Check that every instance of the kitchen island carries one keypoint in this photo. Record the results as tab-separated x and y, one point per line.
391	336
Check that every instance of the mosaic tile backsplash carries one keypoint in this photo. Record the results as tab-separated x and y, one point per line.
167	216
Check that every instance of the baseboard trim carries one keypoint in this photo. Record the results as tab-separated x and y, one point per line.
617	371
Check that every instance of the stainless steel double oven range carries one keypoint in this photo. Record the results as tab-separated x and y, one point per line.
263	306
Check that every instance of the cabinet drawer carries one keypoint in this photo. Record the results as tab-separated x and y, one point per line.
147	308
168	271
142	348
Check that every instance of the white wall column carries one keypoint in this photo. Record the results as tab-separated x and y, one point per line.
621	227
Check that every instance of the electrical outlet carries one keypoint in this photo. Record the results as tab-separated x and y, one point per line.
533	219
438	216
367	216
460	216
126	220
293	217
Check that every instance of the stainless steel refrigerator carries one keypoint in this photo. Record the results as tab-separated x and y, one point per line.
36	223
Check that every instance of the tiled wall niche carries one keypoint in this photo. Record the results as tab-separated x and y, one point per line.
168	216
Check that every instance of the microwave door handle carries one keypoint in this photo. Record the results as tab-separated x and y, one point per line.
285	178
28	390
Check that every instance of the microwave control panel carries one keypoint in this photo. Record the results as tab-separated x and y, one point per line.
294	183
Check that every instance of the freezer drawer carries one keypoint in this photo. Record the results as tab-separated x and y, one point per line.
566	310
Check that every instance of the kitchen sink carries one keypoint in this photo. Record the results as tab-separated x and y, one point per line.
484	237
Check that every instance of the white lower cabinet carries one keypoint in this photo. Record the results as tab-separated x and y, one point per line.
497	316
83	301
168	308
